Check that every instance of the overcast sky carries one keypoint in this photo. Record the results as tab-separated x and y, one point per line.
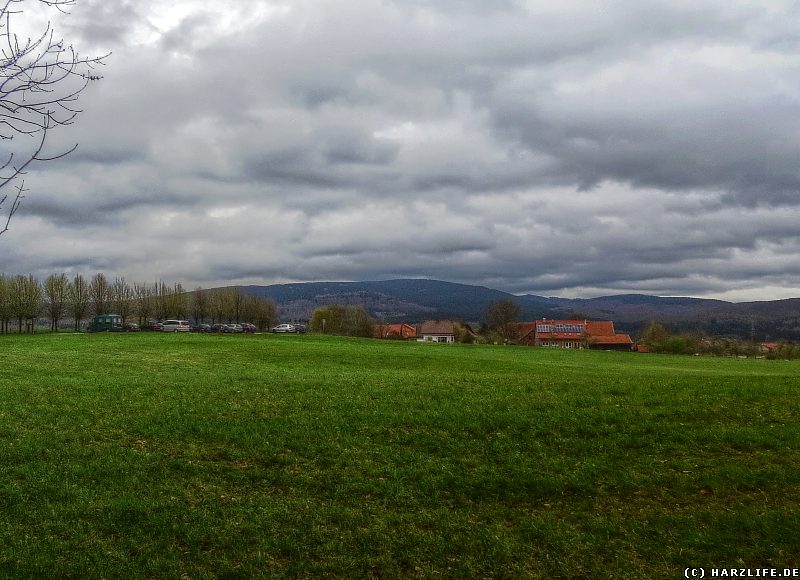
568	148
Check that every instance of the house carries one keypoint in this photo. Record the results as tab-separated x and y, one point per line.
766	347
395	331
574	334
440	331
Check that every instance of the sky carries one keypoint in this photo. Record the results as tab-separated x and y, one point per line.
565	148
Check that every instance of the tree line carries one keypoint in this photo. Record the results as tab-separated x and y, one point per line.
342	320
659	339
24	300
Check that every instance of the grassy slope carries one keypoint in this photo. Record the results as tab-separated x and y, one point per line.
150	455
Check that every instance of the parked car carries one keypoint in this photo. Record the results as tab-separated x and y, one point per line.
201	328
105	323
235	327
247	327
301	328
219	328
150	325
176	326
284	328
131	327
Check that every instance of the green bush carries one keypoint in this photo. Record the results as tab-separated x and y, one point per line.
342	321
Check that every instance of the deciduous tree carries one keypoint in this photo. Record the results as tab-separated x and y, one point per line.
222	303
5	304
100	293
502	317
178	302
264	312
56	294
259	311
199	305
143	295
26	300
654	334
79	299
122	300
342	320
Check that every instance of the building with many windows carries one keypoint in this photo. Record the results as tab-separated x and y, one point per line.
574	334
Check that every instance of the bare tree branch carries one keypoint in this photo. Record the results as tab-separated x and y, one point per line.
41	79
14	205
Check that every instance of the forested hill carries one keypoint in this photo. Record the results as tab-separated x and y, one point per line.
408	300
414	300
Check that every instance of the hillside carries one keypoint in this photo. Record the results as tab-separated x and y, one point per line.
766	320
414	300
408	300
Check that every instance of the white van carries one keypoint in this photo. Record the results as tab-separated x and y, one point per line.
176	326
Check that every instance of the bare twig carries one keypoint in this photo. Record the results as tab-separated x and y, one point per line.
40	80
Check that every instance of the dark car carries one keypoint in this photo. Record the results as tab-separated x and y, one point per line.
247	327
131	327
201	328
219	328
301	328
150	325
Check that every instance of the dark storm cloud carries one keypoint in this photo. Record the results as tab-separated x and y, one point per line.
745	151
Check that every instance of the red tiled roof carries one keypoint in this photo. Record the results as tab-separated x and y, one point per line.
401	330
525	328
404	330
603	328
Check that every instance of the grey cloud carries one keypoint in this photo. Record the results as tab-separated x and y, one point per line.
534	146
105	23
180	38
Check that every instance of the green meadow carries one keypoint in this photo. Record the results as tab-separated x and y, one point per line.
204	456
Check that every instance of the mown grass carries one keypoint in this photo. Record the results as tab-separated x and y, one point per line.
282	456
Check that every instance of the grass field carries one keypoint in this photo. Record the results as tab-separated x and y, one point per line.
157	455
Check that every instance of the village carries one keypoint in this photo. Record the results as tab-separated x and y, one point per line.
587	334
574	334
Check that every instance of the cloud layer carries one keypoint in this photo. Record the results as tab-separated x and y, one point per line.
553	148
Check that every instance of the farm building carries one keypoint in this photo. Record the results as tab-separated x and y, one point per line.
574	334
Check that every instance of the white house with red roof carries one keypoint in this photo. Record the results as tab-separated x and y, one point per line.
436	331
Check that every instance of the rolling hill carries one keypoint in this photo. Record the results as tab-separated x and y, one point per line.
414	300
408	300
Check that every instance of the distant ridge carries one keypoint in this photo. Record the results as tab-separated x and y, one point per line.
410	300
415	300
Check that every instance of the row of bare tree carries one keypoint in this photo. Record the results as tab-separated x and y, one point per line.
23	299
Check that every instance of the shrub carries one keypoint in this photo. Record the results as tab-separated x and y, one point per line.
342	321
